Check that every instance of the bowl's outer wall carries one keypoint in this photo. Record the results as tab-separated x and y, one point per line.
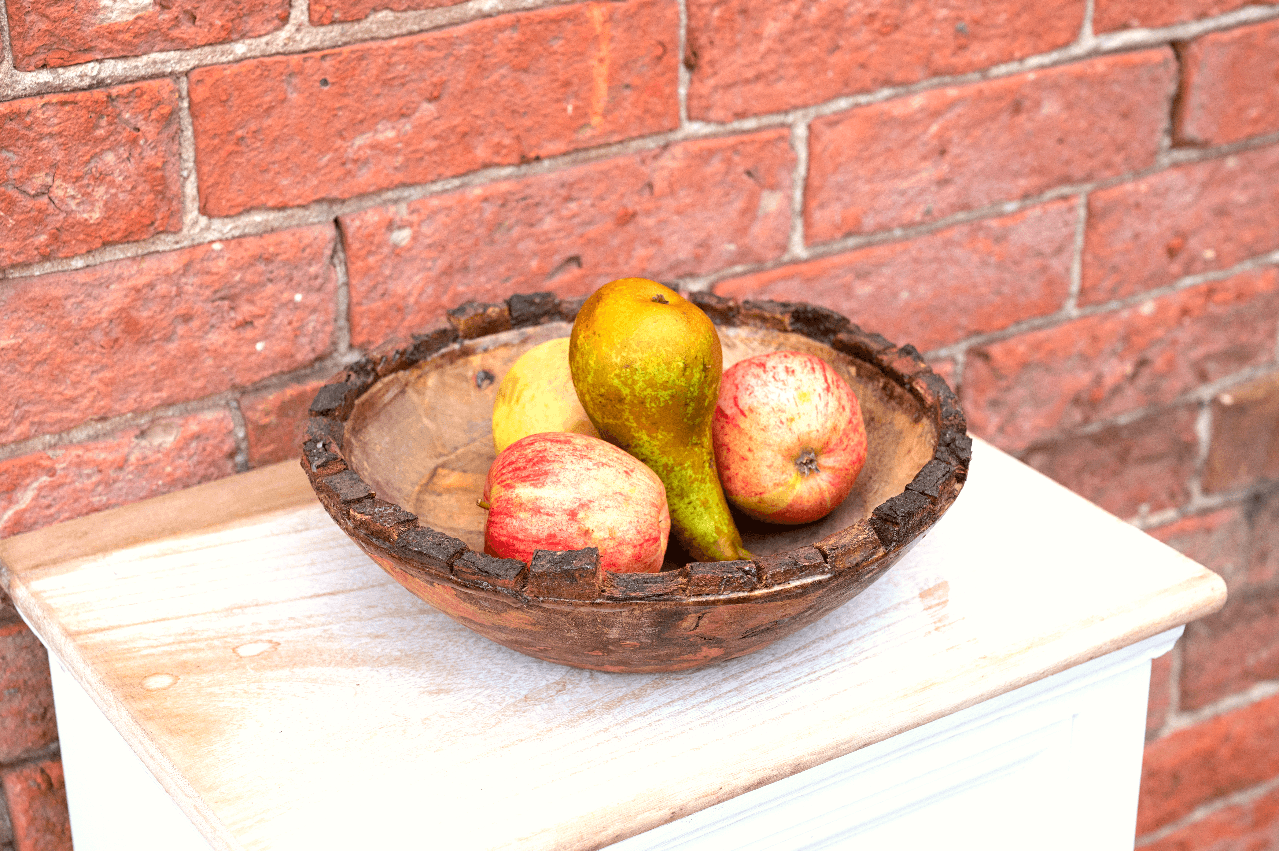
636	637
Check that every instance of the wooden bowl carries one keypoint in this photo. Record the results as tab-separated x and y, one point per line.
398	447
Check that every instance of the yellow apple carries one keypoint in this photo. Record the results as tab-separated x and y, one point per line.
537	395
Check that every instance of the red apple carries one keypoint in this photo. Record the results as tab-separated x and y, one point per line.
789	438
567	491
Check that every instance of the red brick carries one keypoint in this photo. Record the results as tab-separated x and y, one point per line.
1156	453
1244	448
1044	382
1199	764
1111	15
1230	86
1262	568
1160	701
339	11
1183	221
921	157
1216	539
26	698
80	170
133	334
945	367
165	455
8	612
56	33
37	796
684	209
1231	650
941	288
758	56
275	421
1249	826
499	91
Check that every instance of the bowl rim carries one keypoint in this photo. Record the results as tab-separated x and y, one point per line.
384	528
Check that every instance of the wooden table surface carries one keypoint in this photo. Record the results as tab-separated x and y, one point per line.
288	694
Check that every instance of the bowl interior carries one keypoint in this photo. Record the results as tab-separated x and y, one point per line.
422	437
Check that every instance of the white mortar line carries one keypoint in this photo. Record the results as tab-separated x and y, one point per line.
6	62
685	76
296	36
1235	799
342	316
796	249
257	221
1077	256
98	429
240	434
192	221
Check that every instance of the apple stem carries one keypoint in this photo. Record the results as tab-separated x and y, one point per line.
482	504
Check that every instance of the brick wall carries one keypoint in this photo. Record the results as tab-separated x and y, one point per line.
208	206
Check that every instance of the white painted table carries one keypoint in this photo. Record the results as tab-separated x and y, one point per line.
248	679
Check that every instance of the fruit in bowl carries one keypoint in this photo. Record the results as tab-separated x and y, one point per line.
789	437
646	363
395	441
566	491
537	395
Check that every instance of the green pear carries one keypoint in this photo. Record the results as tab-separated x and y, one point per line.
646	364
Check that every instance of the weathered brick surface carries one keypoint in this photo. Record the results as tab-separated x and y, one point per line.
101	167
757	56
1198	764
1160	700
916	158
940	288
1186	220
8	612
1240	542
1231	650
684	209
1043	382
85	169
6	827
287	130
1262	567
26	700
55	33
1219	540
1156	453
1111	15
133	334
165	455
1249	826
1230	86
37	797
338	11
1244	447
945	367
275	422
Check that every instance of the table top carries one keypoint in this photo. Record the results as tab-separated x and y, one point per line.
288	694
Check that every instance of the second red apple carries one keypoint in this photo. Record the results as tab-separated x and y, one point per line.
789	437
